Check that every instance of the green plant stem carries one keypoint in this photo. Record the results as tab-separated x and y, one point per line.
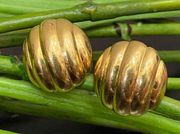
82	109
15	7
143	16
21	7
171	106
2	15
16	38
173	83
89	11
6	132
79	105
16	10
135	29
11	66
170	56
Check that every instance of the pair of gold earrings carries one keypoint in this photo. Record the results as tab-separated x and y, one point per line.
129	77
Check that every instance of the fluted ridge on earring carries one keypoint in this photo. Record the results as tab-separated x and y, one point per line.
130	78
57	55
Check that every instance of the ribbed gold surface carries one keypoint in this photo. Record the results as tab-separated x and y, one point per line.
130	78
57	55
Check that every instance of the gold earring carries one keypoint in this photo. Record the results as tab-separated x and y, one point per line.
57	55
130	78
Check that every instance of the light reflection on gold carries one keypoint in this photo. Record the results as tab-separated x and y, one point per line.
130	78
57	55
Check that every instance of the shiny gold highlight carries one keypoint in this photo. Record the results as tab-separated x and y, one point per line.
130	78
57	55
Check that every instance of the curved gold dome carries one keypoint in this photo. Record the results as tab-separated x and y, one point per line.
57	55
130	78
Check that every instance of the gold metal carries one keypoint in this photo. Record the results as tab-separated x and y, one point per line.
57	55
130	78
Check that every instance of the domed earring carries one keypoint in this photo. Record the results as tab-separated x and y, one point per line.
130	78
57	55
